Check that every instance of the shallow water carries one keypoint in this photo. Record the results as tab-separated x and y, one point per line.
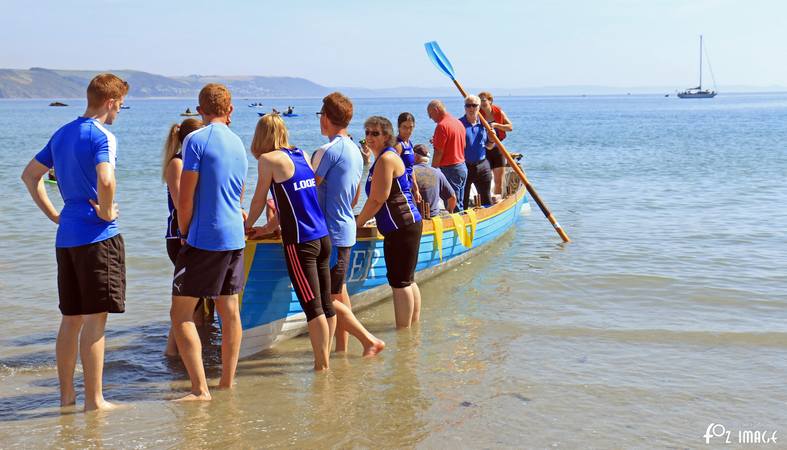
665	314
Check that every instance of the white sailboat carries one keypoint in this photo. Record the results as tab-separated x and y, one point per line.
698	92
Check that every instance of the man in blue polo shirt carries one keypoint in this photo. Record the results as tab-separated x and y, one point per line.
479	172
91	271
210	218
338	167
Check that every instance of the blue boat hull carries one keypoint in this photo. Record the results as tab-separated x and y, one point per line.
270	311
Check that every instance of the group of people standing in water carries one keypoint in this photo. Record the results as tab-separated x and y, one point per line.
309	201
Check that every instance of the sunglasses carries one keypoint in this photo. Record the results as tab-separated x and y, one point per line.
373	133
471	105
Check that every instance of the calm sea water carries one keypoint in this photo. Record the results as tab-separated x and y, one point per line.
667	312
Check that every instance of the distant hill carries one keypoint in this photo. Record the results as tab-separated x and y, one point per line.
45	83
56	84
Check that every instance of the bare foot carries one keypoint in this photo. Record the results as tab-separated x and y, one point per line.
105	406
194	398
67	400
223	386
374	349
320	368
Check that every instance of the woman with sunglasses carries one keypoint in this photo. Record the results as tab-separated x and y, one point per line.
499	122
404	147
390	202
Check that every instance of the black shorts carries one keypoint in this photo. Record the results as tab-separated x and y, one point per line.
496	158
173	248
310	274
400	249
91	278
207	273
339	270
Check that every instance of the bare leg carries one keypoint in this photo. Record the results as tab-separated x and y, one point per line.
66	355
231	335
189	345
345	317
91	350
416	303
172	346
321	341
403	306
342	336
497	172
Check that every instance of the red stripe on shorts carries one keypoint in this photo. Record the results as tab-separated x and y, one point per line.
303	283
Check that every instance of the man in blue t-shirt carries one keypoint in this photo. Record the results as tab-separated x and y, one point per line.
91	271
210	219
338	167
479	172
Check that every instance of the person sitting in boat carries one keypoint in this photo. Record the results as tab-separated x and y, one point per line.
479	174
499	122
286	172
432	184
390	202
404	147
188	111
290	109
51	175
275	111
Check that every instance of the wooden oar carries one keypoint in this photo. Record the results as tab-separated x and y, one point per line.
441	62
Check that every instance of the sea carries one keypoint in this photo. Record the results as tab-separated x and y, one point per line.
662	324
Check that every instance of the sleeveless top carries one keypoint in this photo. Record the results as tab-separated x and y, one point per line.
172	221
399	209
300	217
497	116
408	157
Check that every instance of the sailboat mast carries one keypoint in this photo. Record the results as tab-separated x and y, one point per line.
700	62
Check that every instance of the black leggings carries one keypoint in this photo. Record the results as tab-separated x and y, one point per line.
481	176
400	250
310	274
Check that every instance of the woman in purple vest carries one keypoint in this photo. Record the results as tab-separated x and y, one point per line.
171	168
285	171
404	147
390	202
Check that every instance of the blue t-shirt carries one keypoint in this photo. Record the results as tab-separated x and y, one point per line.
74	151
340	165
475	140
220	158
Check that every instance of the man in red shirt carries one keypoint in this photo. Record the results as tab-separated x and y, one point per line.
449	147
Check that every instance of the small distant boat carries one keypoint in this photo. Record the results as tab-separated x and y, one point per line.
125	107
666	95
50	177
290	115
261	114
57	104
188	113
698	92
255	105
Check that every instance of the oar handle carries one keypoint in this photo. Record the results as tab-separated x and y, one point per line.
530	189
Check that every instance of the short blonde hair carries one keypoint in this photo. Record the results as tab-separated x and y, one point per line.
473	98
215	100
103	87
271	134
486	95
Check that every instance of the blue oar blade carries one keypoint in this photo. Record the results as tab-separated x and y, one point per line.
439	59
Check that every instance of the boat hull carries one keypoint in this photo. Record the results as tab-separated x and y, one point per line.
270	312
697	95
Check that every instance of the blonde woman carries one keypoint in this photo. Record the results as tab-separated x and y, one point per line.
285	170
171	168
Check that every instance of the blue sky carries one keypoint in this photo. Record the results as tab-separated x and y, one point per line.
380	44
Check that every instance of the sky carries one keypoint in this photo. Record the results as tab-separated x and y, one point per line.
376	44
